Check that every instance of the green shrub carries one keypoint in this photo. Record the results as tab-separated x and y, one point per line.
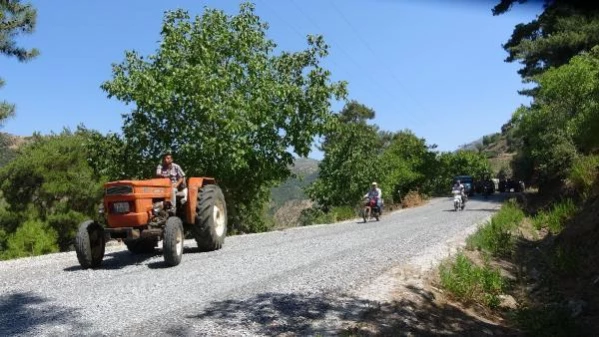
469	283
32	238
341	213
584	172
491	154
315	215
3	238
564	261
555	218
65	225
546	321
495	236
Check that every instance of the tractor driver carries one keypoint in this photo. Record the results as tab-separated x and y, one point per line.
170	170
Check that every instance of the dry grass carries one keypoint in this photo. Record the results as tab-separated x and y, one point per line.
288	215
412	199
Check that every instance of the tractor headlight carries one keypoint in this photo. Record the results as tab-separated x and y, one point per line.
157	207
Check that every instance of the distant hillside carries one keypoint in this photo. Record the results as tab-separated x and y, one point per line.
496	147
8	145
292	189
289	199
472	145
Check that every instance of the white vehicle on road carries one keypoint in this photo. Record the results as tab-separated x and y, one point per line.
457	200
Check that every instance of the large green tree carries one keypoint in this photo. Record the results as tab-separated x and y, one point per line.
217	95
351	160
561	123
51	181
561	31
408	164
15	18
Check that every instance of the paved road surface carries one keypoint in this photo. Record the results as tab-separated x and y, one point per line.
296	281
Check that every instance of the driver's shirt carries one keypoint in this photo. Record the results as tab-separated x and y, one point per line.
458	188
174	173
374	193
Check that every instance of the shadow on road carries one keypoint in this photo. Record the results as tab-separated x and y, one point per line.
122	259
21	313
275	313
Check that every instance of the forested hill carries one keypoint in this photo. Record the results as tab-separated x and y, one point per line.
498	148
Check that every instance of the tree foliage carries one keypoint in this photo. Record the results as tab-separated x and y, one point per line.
6	153
562	122
357	153
351	161
217	96
15	19
32	238
51	181
561	31
407	165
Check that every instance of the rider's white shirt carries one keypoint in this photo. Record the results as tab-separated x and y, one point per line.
376	193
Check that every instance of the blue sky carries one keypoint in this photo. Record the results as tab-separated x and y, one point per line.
430	66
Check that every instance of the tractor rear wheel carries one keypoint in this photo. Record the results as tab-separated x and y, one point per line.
174	240
141	246
90	244
210	228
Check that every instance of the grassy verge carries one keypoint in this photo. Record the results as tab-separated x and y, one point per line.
469	283
545	268
472	283
555	218
496	237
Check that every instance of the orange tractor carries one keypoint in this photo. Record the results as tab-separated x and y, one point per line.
140	213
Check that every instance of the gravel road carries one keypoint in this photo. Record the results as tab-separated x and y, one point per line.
301	281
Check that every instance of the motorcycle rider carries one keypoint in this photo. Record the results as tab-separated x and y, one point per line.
375	192
458	186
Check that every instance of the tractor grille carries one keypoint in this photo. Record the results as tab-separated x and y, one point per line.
116	190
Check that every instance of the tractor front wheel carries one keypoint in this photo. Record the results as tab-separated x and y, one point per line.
210	228
173	242
90	244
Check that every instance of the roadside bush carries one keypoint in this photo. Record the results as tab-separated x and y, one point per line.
547	321
341	213
51	183
65	225
3	238
411	199
491	154
495	236
584	173
470	283
555	218
564	261
31	238
315	215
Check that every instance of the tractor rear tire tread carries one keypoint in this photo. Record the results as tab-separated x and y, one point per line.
204	229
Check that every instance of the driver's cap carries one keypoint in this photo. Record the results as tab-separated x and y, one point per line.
373	183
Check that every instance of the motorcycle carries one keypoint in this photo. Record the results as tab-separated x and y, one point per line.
457	200
371	209
486	191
